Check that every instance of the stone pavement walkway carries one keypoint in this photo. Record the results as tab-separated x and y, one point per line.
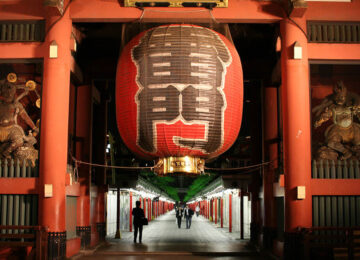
162	239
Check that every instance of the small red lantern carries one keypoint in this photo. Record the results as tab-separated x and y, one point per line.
179	96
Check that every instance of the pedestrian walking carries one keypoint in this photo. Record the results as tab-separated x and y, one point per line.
188	213
179	214
139	215
197	210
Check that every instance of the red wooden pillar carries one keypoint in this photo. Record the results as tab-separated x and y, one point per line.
221	212
118	233
101	205
296	124
144	205
271	136
83	119
207	209
54	129
130	215
230	213
149	209
203	208
210	209
216	210
155	209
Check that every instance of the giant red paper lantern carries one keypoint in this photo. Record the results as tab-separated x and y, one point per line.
179	96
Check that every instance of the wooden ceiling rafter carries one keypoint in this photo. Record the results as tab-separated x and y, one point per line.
57	4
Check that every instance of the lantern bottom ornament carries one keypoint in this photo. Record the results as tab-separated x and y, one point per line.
186	164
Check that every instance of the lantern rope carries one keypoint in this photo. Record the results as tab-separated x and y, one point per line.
250	167
242	168
76	161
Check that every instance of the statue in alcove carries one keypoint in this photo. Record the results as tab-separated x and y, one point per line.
14	143
342	137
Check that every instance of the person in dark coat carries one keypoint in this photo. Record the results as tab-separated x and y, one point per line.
179	214
138	214
188	213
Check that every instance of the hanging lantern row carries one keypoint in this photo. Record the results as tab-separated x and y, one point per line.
179	95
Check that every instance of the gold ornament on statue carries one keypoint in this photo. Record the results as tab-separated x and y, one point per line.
30	85
37	103
38	123
11	77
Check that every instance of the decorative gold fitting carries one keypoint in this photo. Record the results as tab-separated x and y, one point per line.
11	77
37	103
30	85
186	165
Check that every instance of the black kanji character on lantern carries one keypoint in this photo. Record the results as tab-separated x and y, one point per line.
181	72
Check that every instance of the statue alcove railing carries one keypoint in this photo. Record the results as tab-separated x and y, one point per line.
10	168
336	169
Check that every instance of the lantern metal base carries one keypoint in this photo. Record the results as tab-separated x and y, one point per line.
185	165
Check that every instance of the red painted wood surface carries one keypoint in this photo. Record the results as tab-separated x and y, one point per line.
73	246
296	125
73	190
54	124
221	212
271	134
19	185
330	51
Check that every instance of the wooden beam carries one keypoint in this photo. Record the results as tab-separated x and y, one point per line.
298	8
19	185
57	4
335	187
20	50
333	51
